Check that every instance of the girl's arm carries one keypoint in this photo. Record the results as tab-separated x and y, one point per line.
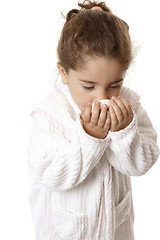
60	163
133	150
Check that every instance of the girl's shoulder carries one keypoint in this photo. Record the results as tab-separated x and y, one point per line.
55	106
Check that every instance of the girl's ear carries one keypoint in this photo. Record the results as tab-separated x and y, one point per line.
62	73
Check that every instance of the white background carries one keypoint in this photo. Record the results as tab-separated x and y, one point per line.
29	31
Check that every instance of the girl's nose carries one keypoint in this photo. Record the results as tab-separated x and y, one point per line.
102	95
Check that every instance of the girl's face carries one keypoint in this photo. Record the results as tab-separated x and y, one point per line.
99	79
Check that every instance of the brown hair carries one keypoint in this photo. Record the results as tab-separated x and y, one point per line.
94	34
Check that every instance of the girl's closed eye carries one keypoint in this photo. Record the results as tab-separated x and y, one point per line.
115	86
88	88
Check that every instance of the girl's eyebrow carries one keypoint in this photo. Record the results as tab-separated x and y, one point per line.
87	81
118	81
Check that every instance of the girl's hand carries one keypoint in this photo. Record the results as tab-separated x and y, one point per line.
96	123
121	113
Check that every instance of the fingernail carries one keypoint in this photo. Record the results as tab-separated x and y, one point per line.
104	106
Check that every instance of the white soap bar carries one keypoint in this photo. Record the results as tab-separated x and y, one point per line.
103	101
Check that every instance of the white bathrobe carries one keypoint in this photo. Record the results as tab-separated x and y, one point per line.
80	186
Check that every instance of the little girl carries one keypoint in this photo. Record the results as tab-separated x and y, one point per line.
81	157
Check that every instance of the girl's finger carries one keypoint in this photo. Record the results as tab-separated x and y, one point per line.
95	113
114	120
86	113
107	124
127	106
117	109
103	116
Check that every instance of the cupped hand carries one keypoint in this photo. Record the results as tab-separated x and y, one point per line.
97	122
120	113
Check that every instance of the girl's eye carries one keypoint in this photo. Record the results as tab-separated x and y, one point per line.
88	88
115	86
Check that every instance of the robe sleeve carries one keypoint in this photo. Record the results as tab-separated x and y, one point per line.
60	162
134	150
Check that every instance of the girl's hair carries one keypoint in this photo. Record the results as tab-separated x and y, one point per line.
93	33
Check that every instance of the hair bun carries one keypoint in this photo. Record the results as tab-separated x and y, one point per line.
71	14
87	4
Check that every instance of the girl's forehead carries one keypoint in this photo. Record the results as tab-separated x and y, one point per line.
101	65
100	71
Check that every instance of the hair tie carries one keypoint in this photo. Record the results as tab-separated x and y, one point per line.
97	8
